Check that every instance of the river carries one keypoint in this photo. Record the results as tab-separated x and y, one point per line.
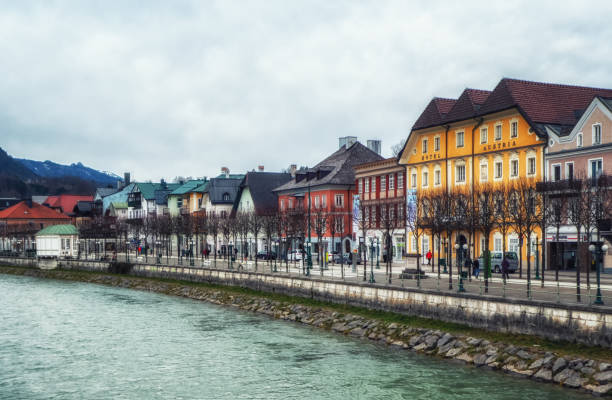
67	340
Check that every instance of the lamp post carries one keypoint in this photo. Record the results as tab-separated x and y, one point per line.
127	250
378	253
537	257
275	256
460	256
597	254
309	254
158	247
445	244
372	261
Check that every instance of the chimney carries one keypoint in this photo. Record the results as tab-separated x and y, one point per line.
28	202
292	169
163	184
225	171
347	141
260	168
126	178
375	146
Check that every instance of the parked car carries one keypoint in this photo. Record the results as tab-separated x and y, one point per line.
496	261
344	258
262	255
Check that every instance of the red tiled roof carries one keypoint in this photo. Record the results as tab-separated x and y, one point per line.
467	105
434	113
37	211
540	103
66	202
545	103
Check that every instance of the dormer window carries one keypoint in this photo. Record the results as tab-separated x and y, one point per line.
437	143
425	143
226	197
460	139
514	129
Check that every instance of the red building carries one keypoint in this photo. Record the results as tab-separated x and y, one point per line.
324	195
19	224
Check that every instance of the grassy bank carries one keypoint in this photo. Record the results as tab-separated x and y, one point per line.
566	349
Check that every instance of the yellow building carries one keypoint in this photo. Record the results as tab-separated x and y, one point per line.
492	137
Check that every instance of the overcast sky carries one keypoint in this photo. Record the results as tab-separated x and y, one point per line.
167	88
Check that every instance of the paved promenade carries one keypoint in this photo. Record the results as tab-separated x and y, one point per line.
562	291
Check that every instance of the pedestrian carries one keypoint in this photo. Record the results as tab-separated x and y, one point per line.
429	256
476	268
505	267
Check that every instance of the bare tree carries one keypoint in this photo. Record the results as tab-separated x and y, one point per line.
577	213
319	221
485	196
256	224
214	226
363	223
415	211
556	217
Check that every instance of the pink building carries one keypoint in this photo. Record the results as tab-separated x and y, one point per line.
582	151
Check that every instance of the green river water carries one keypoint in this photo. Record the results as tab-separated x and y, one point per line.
66	340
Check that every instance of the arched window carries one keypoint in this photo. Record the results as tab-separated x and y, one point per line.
226	197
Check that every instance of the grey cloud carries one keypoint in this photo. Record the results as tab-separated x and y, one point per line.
182	88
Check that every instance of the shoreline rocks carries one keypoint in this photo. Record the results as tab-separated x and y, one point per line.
588	375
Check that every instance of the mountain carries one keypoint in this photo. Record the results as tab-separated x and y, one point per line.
13	168
49	169
24	178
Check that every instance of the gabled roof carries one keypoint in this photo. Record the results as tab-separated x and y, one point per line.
337	169
542	103
147	189
119	205
36	211
58	230
434	113
65	202
202	188
261	186
217	187
188	186
467	105
105	191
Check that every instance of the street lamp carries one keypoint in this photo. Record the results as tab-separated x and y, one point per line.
378	253
445	244
127	250
372	261
460	258
597	253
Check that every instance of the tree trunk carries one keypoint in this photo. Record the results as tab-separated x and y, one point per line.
528	265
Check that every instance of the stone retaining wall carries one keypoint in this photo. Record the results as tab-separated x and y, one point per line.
581	324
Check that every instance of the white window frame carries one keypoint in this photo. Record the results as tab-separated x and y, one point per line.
589	165
567	164
484	134
437	143
383	183
391	181
413	178
400	180
360	185
373	185
324	200
425	178
437	176
484	163
579	140
367	185
457	166
424	145
498	241
341	198
512	245
594	130
552	171
499	127
316	201
514	161
460	134
535	165
514	129
495	164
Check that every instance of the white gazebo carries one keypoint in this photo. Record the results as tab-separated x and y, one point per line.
57	241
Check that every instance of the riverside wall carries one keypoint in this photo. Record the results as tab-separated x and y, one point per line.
573	323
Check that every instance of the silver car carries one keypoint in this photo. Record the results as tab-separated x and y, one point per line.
496	261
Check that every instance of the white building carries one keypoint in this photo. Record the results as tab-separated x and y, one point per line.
57	241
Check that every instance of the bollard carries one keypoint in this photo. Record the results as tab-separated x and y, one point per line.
558	293
504	289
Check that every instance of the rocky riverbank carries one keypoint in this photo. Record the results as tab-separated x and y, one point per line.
590	375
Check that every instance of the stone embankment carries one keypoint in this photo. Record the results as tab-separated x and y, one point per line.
588	375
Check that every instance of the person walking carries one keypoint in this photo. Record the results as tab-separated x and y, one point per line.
505	267
429	256
476	268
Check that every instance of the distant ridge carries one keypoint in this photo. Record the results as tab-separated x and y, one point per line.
49	169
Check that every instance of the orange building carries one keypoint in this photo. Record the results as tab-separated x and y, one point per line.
487	137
